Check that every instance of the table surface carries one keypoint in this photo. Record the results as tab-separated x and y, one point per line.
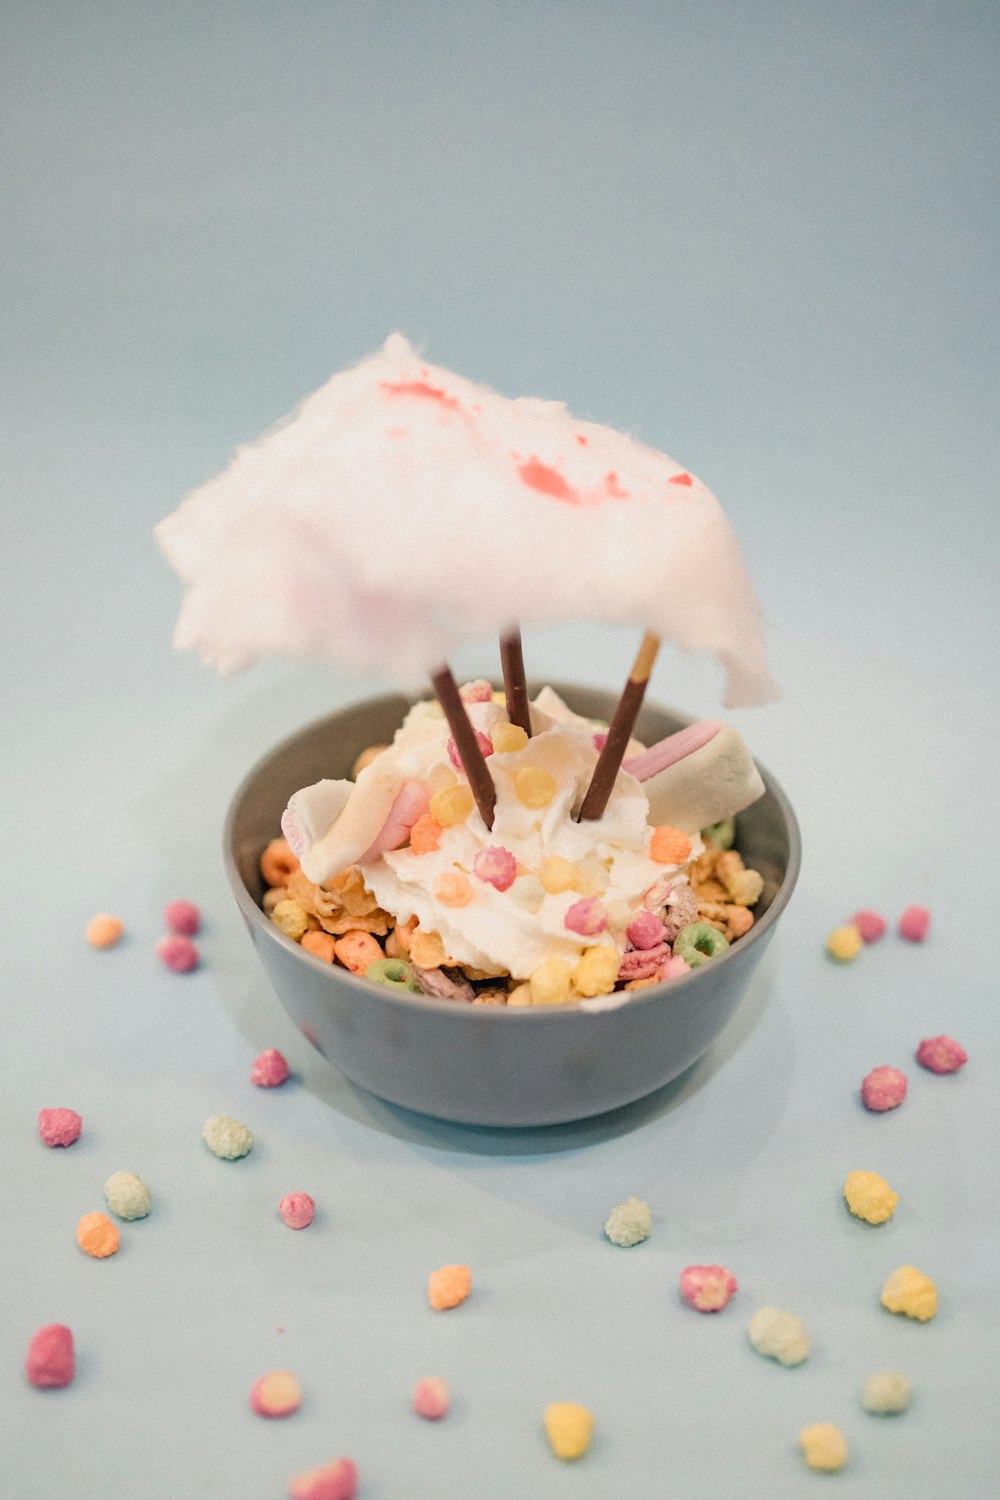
762	239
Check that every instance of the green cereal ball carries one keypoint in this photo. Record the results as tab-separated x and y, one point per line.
128	1196
291	918
698	942
392	972
227	1138
721	834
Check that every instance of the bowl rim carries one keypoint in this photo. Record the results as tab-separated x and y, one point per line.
478	1014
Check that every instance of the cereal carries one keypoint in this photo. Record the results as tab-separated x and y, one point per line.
779	1335
290	918
588	917
227	1138
127	1195
596	971
59	1127
844	943
534	787
336	1481
629	1223
477	691
448	1287
569	1429
275	1394
452	805
270	1069
669	846
320	944
508	737
483	741
180	954
394	973
557	874
278	862
910	1292
886	1392
97	1236
431	1399
870	925
182	917
941	1054
707	1288
272	896
496	866
550	982
427	950
528	894
453	889
645	930
520	995
50	1361
698	942
914	924
444	986
823	1447
297	1210
643	964
425	835
103	931
746	887
356	950
883	1088
870	1197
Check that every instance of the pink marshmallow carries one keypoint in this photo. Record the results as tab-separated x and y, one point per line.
51	1361
941	1054
669	751
297	1210
59	1127
870	925
178	953
882	1089
643	963
412	801
496	866
182	917
707	1288
645	930
588	916
913	924
336	1481
483	741
430	1398
269	1069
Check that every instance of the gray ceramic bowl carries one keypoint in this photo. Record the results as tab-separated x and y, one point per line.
487	1065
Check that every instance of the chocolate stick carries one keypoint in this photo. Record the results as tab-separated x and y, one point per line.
620	730
473	760
513	680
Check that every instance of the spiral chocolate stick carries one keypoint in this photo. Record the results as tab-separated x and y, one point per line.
620	730
472	758
513	680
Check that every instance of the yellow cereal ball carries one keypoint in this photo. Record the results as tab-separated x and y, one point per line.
823	1447
557	875
452	805
103	931
501	698
844	943
870	1197
507	737
520	994
534	787
745	887
550	982
569	1429
427	950
910	1292
596	970
290	917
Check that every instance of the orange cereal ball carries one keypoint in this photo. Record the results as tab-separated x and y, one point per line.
356	950
425	835
97	1236
448	1287
103	931
669	846
453	889
319	944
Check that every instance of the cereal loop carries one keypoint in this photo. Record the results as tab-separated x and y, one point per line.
278	862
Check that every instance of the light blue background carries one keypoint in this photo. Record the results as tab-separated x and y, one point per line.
765	239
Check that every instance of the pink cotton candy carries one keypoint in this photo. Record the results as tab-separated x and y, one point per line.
669	751
482	740
269	1069
913	924
870	925
479	691
643	963
182	917
430	1398
882	1089
645	930
51	1360
336	1481
707	1288
297	1209
588	916
178	953
496	866
941	1054
412	801
59	1127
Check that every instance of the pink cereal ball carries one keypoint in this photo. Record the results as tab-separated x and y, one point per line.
588	916
336	1481
430	1398
645	930
50	1361
941	1054
913	924
496	866
270	1069
707	1288
882	1089
59	1127
297	1210
182	917
483	741
870	925
178	953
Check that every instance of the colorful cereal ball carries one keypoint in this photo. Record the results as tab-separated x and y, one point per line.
182	917
941	1054
336	1481
886	1393
227	1138
128	1196
104	931
883	1088
707	1288
823	1447
270	1069
59	1127
448	1287
97	1236
50	1362
569	1429
629	1223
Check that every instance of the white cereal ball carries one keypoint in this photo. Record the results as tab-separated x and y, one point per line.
227	1137
127	1195
886	1391
629	1223
779	1335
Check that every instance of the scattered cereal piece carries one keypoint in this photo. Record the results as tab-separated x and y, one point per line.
452	805
128	1196
557	874
270	1069
550	982
496	866
394	973
645	930
179	953
336	1481
886	1392
870	1197
910	1292
913	924
297	1210
823	1447
870	925
698	942
642	965
745	887
508	737
453	889
103	931
779	1335
97	1236
291	918
278	862
448	1287
477	691
534	787
707	1288
59	1127
596	971
569	1429
276	1394
427	950
227	1138
425	834
629	1223
883	1088
588	917
182	917
50	1361
430	1398
844	943
356	950
320	944
669	846
941	1054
